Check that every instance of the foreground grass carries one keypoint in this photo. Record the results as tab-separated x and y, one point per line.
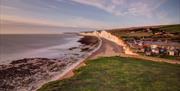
120	74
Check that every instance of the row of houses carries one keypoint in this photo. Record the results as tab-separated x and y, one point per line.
155	48
161	50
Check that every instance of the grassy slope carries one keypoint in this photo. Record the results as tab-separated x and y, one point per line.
123	32
171	28
120	74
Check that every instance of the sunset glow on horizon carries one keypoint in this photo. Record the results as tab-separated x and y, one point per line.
94	14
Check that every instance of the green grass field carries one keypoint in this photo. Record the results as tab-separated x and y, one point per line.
140	34
171	28
120	74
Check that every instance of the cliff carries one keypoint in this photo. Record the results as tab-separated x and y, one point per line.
110	37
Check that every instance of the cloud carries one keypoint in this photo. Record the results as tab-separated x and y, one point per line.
139	9
125	7
71	22
102	4
28	20
80	21
10	13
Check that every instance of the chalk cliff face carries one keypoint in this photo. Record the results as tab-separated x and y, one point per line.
113	38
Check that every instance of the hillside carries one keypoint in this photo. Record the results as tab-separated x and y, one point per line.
120	74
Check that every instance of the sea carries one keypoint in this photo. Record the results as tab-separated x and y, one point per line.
19	46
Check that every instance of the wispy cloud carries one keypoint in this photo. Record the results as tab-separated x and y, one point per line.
125	7
69	13
108	6
71	22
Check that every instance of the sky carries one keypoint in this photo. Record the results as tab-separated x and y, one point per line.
98	14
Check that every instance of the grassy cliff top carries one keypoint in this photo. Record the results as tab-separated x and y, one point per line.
120	74
171	28
174	28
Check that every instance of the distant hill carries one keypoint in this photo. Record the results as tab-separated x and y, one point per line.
169	28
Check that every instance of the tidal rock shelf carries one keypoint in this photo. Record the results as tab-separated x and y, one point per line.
24	73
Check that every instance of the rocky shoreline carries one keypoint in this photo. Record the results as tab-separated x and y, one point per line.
20	74
29	73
